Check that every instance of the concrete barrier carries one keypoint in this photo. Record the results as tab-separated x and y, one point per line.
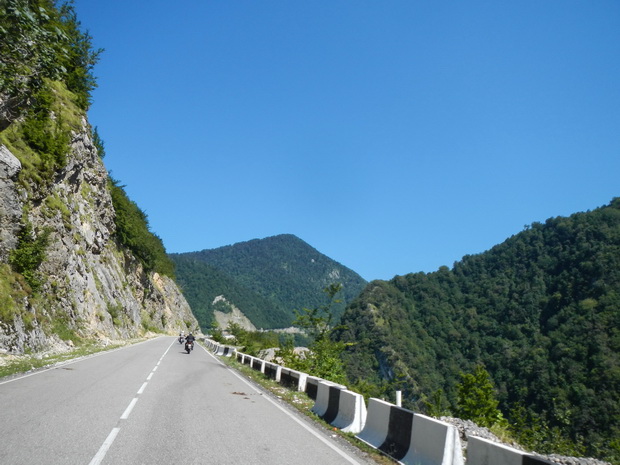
398	438
312	386
263	364
272	371
293	379
327	400
218	349
351	415
433	442
225	351
484	452
529	459
409	437
211	345
375	430
256	364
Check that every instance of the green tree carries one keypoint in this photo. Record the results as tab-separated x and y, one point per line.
132	231
437	405
476	398
252	342
78	57
46	135
324	357
98	142
215	333
39	41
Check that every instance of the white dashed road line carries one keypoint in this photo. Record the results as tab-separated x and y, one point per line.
100	455
104	447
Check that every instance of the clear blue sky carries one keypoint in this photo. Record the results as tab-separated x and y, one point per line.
392	136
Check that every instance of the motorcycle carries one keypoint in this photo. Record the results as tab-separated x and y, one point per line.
189	346
181	339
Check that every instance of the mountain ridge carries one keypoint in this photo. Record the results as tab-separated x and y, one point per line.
266	278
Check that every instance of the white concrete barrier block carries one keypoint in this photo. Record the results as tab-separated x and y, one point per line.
270	370
292	377
433	442
351	412
301	385
377	423
256	364
322	398
484	452
312	386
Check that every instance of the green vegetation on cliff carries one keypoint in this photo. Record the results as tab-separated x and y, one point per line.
540	312
46	81
132	231
29	254
42	40
323	358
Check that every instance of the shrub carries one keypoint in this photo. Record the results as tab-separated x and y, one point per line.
29	254
132	231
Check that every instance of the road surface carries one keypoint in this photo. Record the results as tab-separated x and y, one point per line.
151	403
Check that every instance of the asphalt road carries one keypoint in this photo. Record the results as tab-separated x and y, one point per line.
151	403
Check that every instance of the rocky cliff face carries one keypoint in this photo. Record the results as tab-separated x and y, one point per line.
235	316
10	204
92	288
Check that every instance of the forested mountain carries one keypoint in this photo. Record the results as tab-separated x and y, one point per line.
541	312
267	279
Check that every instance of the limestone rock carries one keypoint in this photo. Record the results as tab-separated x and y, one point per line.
10	203
92	287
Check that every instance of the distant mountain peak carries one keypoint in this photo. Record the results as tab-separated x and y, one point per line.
266	278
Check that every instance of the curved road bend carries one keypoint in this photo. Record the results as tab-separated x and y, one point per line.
152	403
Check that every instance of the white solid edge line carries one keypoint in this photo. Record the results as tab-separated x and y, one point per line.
301	423
99	456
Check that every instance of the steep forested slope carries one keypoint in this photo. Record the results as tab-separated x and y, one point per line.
202	283
541	312
266	278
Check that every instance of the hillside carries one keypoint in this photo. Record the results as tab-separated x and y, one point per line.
267	279
77	259
540	311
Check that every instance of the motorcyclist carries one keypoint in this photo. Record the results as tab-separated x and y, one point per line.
181	337
190	339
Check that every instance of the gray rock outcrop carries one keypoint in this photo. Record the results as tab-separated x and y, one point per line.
10	204
92	288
